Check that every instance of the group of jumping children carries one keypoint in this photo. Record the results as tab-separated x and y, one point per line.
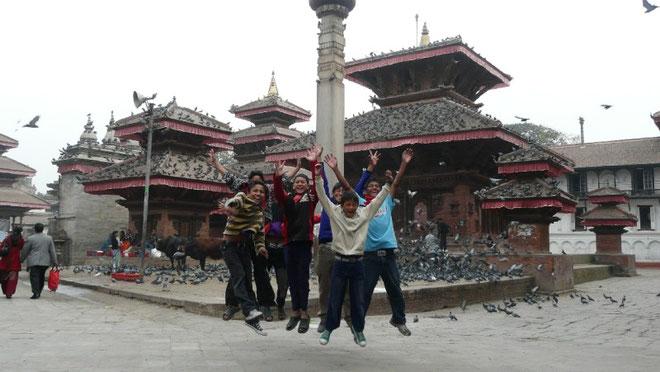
270	227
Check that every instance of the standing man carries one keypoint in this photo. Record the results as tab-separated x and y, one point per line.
443	230
381	249
38	253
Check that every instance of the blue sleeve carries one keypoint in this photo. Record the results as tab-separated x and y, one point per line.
359	188
325	183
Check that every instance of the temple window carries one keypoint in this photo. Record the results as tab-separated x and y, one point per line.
577	184
644	217
642	182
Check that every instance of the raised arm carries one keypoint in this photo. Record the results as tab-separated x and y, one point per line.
214	160
331	160
319	185
406	157
294	171
325	181
366	175
278	187
312	156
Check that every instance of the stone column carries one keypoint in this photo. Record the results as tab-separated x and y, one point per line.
331	68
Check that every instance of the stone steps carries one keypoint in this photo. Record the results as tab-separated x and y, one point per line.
589	272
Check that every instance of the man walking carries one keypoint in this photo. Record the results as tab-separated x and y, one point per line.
38	253
443	230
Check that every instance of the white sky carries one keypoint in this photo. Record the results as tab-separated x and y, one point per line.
65	59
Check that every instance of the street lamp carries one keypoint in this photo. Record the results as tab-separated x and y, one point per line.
138	100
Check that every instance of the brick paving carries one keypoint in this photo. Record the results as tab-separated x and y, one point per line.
77	329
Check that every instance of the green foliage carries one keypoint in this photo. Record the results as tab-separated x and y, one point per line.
540	134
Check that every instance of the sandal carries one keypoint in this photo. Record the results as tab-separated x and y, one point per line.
304	325
229	312
281	313
293	322
268	313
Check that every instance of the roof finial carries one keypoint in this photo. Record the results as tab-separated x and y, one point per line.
90	123
272	89
426	40
112	117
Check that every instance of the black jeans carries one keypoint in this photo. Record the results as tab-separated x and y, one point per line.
265	294
345	274
443	242
384	267
298	256
238	261
277	263
37	278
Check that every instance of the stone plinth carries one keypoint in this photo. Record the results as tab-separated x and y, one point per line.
556	274
530	237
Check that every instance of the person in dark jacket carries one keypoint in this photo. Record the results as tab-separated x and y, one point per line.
38	253
10	265
298	227
443	230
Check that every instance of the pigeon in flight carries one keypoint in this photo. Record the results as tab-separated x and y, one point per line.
412	194
522	119
649	7
606	107
32	123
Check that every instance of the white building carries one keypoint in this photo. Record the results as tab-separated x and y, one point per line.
631	165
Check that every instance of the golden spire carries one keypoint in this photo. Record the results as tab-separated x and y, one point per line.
272	89
426	40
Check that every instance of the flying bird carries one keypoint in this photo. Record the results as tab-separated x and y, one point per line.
33	122
412	194
522	119
649	7
606	107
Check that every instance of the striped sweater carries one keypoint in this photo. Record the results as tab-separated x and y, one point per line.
248	221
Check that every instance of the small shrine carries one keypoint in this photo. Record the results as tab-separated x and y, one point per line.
529	201
184	186
607	220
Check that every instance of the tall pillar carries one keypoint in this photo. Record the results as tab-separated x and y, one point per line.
331	68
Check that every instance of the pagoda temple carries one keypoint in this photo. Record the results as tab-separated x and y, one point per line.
526	205
83	221
656	119
427	97
184	186
272	116
607	220
15	202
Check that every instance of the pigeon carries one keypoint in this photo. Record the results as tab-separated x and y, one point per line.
412	194
139	281
534	290
463	304
32	123
606	107
415	319
442	163
522	119
452	316
590	299
539	267
563	252
649	7
515	315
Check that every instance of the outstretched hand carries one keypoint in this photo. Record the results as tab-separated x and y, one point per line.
407	155
317	169
331	160
314	153
279	169
373	158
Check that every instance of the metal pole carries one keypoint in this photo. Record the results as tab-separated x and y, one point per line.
416	30
147	177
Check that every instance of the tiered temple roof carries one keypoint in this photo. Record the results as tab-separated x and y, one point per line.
534	159
7	143
656	119
607	213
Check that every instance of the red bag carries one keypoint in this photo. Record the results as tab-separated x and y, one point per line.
53	279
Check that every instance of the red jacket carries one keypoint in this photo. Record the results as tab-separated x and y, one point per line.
298	220
12	262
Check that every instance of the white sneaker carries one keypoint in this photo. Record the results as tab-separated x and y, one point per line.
254	313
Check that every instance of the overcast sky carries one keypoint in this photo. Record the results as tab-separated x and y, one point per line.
65	59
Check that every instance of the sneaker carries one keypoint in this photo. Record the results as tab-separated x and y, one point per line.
229	312
255	326
325	337
402	328
359	338
254	313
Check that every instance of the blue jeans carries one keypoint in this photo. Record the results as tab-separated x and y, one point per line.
298	256
351	275
384	267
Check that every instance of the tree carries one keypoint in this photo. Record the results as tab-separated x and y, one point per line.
542	135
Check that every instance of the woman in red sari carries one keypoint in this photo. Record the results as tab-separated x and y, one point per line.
10	265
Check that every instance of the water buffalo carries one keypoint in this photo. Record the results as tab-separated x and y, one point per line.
173	247
201	248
